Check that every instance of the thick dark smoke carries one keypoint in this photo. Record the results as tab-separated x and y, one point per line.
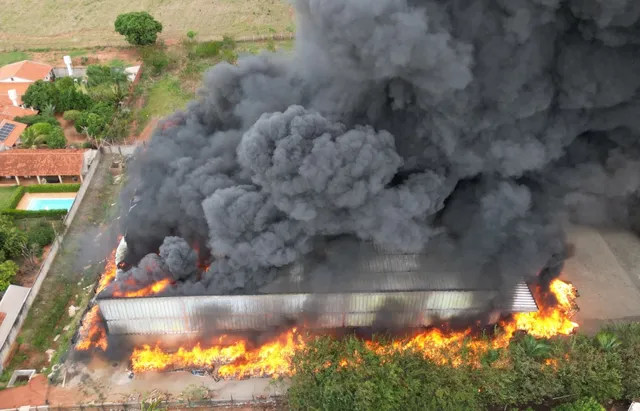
488	124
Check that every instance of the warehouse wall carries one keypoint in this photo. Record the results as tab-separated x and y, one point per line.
198	314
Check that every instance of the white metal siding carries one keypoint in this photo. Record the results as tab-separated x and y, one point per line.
192	314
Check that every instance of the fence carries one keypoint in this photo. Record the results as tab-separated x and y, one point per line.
257	403
46	265
122	150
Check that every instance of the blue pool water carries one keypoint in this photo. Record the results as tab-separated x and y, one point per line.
50	204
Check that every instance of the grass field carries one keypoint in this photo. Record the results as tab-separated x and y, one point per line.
86	23
12	56
165	97
5	196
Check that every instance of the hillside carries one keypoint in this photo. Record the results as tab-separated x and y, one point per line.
85	23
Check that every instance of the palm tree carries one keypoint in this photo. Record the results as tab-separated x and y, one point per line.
49	110
607	341
535	348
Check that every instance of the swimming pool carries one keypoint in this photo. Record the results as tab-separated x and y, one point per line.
50	203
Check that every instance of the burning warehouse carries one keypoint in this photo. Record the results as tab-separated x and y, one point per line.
372	287
479	128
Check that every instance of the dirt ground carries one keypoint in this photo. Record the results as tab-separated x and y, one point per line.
606	272
72	136
128	55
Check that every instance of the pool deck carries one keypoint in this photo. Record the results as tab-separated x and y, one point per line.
24	201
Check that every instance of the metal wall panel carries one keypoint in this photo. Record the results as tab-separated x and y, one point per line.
171	315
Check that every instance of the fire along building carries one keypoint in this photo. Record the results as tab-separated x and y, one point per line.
345	283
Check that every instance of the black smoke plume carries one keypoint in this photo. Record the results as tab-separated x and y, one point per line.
486	124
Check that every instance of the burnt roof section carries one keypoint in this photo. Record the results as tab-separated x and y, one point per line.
346	264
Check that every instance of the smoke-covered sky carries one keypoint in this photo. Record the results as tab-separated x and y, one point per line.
487	124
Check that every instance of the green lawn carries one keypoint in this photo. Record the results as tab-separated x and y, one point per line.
12	57
165	96
5	196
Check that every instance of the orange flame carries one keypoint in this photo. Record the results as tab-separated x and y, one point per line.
109	273
236	360
92	333
152	289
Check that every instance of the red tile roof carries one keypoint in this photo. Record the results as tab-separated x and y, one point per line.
27	162
26	69
11	112
11	139
20	89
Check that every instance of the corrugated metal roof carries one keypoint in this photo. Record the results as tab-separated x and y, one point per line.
346	264
169	315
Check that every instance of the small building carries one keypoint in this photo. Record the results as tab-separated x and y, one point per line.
29	166
19	76
10	309
10	132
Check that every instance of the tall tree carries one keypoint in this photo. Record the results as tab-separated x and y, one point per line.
139	27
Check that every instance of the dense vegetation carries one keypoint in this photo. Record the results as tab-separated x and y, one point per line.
16	243
527	372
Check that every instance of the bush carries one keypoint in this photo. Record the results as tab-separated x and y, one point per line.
56	139
61	94
41	234
19	214
584	404
208	49
53	188
629	349
528	371
44	133
12	240
38	118
192	34
139	28
156	59
71	115
8	270
16	197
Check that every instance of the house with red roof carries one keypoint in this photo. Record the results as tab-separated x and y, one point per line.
35	166
19	76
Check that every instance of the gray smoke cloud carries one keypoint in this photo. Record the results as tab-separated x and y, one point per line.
485	124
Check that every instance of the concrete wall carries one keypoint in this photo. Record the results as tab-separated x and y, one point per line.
46	265
61	72
122	150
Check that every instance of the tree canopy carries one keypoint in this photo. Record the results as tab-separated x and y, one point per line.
138	27
62	94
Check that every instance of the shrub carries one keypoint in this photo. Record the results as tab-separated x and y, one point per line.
16	197
192	34
56	139
8	270
156	59
61	94
583	404
19	214
53	188
139	28
208	49
629	350
38	118
71	115
44	133
41	93
12	240
41	233
228	42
